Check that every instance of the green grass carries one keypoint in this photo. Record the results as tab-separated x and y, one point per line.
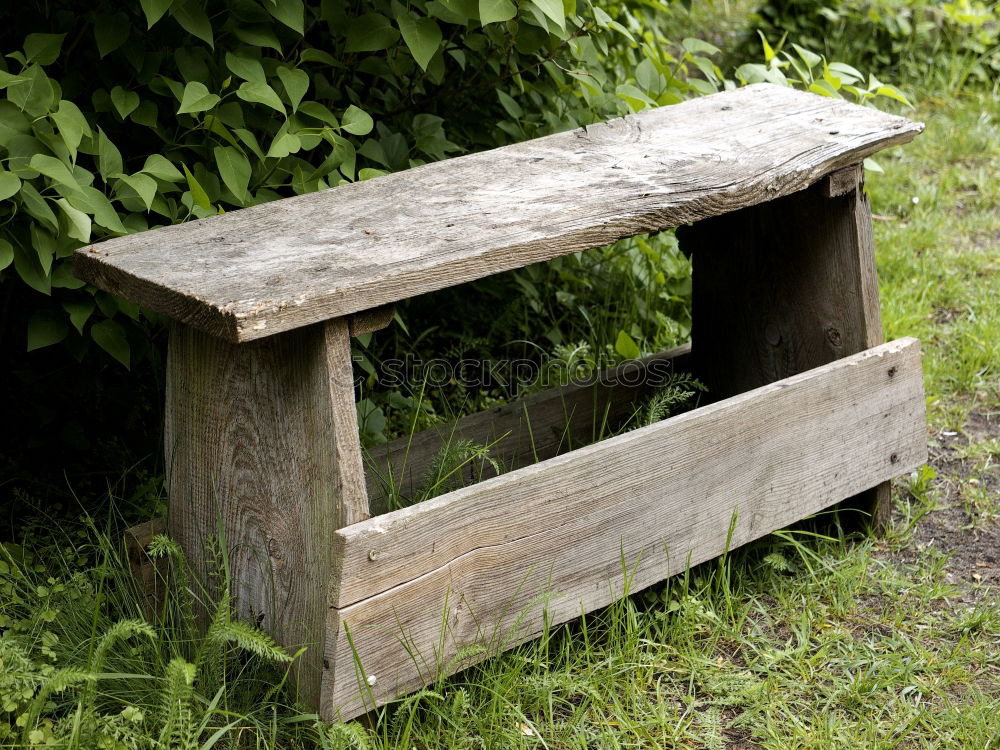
938	249
799	641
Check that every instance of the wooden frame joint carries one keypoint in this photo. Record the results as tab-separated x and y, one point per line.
369	321
842	181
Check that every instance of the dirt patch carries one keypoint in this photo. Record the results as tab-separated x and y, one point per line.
965	524
945	315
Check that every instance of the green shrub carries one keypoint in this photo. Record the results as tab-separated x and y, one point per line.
940	44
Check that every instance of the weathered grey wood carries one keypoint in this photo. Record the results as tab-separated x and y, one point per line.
258	271
262	447
150	575
479	564
525	431
785	286
842	181
369	321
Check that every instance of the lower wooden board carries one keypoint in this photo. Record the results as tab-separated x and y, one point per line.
489	564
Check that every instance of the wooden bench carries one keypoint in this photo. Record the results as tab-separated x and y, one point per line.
808	406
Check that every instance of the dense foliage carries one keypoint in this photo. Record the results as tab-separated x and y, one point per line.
946	43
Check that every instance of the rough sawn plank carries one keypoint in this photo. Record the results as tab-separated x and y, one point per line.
282	265
478	565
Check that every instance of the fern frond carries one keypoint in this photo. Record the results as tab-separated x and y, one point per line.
445	470
175	709
250	639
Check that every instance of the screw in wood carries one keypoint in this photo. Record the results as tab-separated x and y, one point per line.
373	555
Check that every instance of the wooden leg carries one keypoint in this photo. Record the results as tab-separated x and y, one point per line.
783	287
263	455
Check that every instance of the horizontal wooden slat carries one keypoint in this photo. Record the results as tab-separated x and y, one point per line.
258	271
527	430
479	564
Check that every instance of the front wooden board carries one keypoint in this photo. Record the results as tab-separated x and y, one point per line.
277	266
480	564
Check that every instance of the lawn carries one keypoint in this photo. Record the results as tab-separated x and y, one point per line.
804	639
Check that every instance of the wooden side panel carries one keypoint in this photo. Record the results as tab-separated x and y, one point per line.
783	287
526	431
479	565
263	464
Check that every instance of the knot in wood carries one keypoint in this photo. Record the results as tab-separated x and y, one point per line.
772	333
834	337
275	552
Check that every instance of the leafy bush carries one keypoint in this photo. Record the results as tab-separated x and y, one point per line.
949	43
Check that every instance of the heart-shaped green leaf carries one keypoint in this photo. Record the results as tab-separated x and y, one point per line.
197	98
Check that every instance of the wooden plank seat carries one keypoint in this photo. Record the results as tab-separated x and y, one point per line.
808	407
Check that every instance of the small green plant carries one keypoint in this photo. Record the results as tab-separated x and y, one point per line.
678	392
805	69
80	667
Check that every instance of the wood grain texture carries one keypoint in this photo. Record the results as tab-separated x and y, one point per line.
369	321
780	288
525	431
262	446
478	565
783	287
251	273
842	181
